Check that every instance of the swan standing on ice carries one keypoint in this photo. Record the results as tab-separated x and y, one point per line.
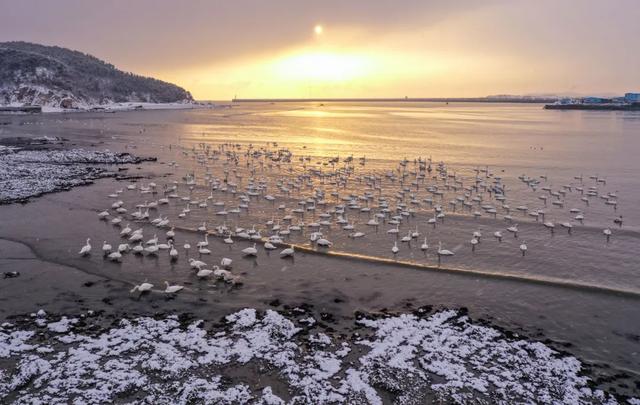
395	249
523	248
424	245
86	249
474	243
607	232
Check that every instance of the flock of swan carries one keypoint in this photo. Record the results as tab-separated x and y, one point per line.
282	198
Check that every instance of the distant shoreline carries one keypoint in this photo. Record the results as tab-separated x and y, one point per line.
594	107
394	100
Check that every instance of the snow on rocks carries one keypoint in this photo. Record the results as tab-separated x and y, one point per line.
29	173
442	357
62	326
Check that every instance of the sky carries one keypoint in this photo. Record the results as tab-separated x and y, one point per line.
373	48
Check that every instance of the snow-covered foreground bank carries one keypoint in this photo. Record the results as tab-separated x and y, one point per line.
270	358
29	173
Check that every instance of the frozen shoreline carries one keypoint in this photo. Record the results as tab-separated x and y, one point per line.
25	174
409	358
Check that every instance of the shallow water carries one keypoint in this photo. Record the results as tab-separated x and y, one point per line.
574	288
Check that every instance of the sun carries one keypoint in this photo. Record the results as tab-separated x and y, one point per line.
318	29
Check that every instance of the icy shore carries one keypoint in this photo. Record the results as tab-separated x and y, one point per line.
276	358
30	173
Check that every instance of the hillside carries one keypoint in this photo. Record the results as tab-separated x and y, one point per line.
32	74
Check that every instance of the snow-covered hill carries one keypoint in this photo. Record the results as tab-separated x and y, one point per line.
54	77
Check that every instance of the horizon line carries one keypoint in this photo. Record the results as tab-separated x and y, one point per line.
491	99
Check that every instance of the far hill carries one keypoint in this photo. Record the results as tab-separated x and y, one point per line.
33	74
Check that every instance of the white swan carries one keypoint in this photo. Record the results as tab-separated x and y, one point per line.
250	251
523	248
126	231
138	249
395	249
144	287
424	245
152	250
324	242
136	237
202	273
86	249
173	252
205	242
172	289
226	262
106	248
153	241
288	252
196	264
443	252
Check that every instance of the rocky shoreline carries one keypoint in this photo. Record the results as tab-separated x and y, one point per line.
287	356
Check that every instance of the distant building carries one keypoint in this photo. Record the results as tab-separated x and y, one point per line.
632	97
595	100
